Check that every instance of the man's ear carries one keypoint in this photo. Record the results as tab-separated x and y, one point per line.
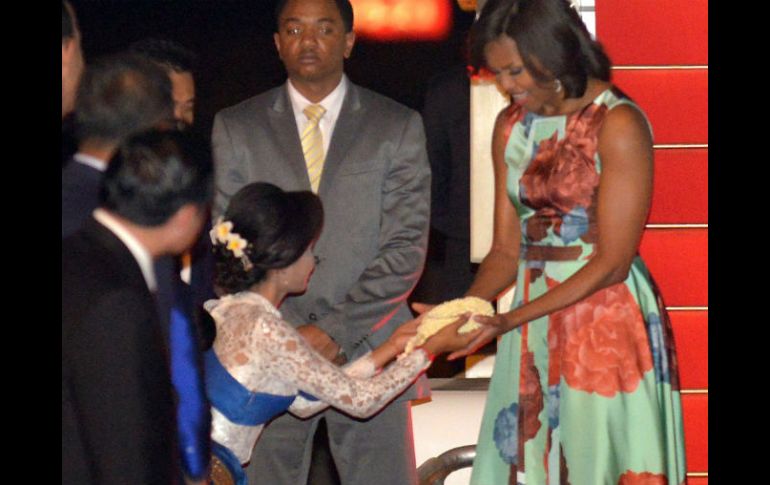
188	213
350	41
184	225
277	40
67	51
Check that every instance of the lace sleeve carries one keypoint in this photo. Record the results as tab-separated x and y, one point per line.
292	360
361	368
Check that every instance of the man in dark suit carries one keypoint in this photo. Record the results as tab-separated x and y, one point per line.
121	95
446	115
193	413
448	269
365	156
179	64
117	400
117	97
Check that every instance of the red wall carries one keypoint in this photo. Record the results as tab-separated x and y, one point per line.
660	53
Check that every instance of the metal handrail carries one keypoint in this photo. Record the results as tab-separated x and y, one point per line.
435	470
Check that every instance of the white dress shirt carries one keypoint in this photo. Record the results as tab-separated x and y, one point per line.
332	103
93	162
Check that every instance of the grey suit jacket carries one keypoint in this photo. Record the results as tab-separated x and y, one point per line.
375	190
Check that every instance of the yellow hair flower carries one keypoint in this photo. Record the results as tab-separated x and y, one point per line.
236	244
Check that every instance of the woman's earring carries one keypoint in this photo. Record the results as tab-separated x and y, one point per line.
558	87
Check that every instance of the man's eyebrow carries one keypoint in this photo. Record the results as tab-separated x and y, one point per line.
297	19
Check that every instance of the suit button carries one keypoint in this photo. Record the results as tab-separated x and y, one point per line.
312	317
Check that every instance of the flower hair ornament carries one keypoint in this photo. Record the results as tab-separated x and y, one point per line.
222	233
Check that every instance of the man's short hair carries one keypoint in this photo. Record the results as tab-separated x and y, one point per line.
154	173
121	95
166	52
344	7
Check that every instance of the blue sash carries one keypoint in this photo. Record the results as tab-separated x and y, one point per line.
237	403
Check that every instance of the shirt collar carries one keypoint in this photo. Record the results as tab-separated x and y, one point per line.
141	255
332	102
91	161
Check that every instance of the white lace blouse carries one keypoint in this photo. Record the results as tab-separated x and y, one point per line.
265	354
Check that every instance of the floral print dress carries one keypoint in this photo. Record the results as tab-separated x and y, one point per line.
588	395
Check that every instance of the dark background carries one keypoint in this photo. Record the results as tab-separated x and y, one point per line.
237	58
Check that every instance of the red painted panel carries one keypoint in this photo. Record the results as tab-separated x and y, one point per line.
695	410
675	100
698	481
692	347
654	32
678	261
680	193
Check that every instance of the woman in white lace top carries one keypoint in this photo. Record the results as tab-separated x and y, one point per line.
259	365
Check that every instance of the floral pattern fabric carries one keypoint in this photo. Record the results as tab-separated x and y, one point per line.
589	394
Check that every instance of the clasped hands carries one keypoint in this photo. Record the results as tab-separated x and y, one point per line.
445	340
492	326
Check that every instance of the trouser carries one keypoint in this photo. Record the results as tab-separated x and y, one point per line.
377	451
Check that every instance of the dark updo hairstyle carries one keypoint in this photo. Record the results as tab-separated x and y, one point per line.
279	226
551	37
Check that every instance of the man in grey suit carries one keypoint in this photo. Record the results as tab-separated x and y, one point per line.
366	159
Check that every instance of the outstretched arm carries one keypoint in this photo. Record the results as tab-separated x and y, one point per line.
362	369
293	361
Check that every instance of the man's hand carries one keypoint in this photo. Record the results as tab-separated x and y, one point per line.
320	341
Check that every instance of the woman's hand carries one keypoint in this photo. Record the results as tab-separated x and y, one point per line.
447	339
397	341
492	326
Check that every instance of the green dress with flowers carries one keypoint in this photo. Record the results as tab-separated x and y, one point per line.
588	395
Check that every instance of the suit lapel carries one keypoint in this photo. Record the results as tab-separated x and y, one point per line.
284	127
119	257
346	130
116	254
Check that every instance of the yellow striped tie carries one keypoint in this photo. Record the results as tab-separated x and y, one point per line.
312	145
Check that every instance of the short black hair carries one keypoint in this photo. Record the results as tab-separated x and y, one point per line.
279	226
121	95
170	54
154	173
344	7
551	37
68	22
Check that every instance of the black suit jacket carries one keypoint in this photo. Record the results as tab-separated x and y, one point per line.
446	115
80	185
117	402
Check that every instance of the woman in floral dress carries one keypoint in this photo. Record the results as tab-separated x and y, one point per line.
585	387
